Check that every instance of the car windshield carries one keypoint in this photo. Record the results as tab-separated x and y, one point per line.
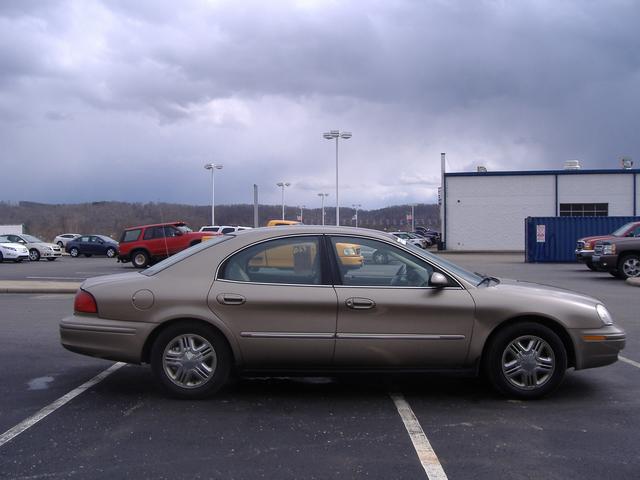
31	239
621	231
167	262
470	277
402	235
184	229
106	239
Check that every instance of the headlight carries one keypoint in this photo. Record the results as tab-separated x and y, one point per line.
349	252
609	249
604	314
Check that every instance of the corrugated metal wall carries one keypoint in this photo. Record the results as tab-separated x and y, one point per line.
553	239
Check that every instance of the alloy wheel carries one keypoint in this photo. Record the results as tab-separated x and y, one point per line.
189	361
528	362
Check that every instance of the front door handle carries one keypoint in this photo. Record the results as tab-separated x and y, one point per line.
359	303
230	299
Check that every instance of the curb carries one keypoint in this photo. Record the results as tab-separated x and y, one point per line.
38	287
634	282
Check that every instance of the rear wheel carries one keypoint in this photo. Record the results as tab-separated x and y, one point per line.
60	244
629	266
525	360
34	255
74	252
140	259
191	360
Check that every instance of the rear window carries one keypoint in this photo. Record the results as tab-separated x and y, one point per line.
130	235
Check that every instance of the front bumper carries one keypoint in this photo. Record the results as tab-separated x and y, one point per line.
15	255
50	253
584	255
110	339
596	347
606	262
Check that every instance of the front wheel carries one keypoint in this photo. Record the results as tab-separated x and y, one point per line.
629	266
380	257
525	360
591	266
34	255
191	360
111	252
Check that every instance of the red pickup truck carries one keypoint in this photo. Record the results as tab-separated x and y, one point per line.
146	244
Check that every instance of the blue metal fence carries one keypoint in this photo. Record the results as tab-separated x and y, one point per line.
553	239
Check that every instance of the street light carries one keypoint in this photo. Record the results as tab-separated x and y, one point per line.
323	195
356	206
330	135
282	185
213	167
302	207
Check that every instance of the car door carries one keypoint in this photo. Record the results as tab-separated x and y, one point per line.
389	315
284	315
155	241
83	244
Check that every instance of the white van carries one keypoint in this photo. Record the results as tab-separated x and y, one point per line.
222	229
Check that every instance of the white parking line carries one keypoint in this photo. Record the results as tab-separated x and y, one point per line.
629	361
52	407
426	455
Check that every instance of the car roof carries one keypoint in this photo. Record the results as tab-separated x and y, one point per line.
175	224
261	233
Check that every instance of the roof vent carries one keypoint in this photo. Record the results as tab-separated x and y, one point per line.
627	163
482	169
572	165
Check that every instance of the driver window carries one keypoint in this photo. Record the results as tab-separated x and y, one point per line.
364	262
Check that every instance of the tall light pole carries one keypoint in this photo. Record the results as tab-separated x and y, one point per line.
330	135
356	206
302	207
413	217
283	185
323	195
213	167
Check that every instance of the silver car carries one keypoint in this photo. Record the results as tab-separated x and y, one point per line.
37	248
284	300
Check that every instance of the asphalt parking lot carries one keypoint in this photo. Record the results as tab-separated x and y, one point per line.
347	427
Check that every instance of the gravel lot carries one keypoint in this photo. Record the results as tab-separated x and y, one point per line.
347	427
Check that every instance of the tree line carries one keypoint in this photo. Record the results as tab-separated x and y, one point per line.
110	218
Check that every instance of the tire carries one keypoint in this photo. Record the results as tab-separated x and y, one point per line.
88	255
111	252
591	266
615	273
74	252
60	244
525	360
1	257
629	266
51	259
179	367
140	259
380	257
34	255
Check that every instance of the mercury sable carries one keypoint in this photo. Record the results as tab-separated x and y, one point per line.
218	309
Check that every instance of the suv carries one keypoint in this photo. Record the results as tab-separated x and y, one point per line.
147	244
620	257
585	246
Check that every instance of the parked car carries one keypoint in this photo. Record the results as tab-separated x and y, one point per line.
428	241
426	232
411	238
282	223
62	240
147	244
12	251
89	245
620	257
585	246
206	312
222	228
37	248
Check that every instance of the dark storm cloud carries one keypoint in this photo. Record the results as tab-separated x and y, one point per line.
135	85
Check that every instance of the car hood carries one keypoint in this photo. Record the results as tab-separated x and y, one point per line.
595	238
43	244
539	292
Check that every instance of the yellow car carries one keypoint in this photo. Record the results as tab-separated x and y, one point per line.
280	223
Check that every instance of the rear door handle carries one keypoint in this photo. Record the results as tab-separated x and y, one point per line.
359	303
230	299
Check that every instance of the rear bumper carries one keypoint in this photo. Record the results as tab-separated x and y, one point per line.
597	347
110	339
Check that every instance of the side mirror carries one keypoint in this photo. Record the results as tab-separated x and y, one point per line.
438	280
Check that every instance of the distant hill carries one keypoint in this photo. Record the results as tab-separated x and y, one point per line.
109	218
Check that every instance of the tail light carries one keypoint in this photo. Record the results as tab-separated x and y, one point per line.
85	303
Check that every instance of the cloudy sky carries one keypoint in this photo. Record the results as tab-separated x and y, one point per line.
127	100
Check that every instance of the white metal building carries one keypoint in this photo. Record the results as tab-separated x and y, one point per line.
486	210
